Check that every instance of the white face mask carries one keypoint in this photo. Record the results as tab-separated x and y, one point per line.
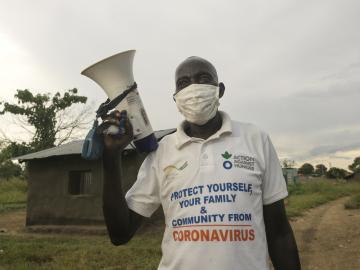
198	103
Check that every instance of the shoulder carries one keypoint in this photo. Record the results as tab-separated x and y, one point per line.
164	146
248	130
167	140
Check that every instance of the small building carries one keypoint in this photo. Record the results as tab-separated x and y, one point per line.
290	175
353	177
65	189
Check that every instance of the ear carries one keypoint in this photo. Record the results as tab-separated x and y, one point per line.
221	89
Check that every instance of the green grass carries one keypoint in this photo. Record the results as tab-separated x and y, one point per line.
32	252
12	194
353	202
92	252
315	192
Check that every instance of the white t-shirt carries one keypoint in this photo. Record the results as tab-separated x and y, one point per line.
212	193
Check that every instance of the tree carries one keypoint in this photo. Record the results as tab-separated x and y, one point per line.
288	163
355	167
47	116
336	173
320	169
306	169
13	149
9	169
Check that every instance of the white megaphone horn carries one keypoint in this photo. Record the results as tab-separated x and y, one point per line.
115	75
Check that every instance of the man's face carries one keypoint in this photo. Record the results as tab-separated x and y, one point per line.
194	70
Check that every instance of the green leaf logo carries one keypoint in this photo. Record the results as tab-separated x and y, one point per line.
226	155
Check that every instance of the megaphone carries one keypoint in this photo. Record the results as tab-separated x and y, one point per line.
115	76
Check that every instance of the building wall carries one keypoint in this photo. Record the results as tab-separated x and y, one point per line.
356	177
49	201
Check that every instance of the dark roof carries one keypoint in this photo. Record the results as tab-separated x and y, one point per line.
75	147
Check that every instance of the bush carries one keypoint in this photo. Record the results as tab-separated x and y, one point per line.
353	202
13	194
305	195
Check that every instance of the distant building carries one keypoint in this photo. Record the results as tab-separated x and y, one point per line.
353	177
65	189
290	175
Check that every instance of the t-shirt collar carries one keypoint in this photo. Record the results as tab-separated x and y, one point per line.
182	138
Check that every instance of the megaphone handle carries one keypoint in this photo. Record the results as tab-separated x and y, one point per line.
122	122
111	104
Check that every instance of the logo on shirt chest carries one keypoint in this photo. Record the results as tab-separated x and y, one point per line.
173	170
238	161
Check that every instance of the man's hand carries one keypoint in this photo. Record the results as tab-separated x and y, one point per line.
115	143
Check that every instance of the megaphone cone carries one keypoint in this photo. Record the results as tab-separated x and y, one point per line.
115	75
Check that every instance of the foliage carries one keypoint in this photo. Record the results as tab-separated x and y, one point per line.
42	112
336	173
9	169
320	169
288	163
14	149
12	194
355	167
309	194
353	202
306	169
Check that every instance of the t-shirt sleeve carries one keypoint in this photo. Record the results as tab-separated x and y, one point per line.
144	196
274	185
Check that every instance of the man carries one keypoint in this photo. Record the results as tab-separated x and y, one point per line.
219	182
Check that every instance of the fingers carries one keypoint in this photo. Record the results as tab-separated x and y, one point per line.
106	124
113	118
114	122
113	114
128	128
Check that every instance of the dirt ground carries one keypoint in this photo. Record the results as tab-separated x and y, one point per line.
12	222
328	236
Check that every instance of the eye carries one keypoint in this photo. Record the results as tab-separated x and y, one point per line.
182	83
205	78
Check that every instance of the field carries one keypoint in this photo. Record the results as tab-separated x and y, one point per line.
12	195
21	250
316	192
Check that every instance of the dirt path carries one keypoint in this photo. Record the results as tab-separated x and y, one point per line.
328	237
12	222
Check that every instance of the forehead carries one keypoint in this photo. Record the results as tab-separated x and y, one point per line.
194	66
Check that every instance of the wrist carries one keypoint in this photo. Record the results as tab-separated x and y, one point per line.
112	155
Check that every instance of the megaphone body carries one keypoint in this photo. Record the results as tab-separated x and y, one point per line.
115	75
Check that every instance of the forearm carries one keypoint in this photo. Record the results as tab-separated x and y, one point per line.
283	251
280	238
116	212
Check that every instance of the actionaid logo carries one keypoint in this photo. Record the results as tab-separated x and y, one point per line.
238	161
227	164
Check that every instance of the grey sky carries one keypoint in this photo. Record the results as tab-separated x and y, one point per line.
291	67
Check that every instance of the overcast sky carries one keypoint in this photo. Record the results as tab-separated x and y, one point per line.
290	67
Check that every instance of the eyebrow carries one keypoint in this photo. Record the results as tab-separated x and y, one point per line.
196	75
